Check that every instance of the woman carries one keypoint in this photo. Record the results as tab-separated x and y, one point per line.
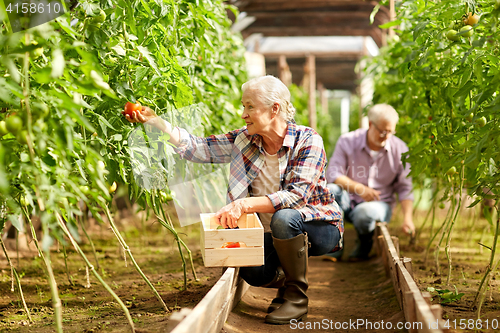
282	167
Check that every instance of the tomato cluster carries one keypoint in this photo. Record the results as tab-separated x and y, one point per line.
466	30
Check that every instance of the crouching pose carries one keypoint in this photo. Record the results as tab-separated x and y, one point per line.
277	169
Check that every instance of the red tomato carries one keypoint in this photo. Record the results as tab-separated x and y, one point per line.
130	107
231	245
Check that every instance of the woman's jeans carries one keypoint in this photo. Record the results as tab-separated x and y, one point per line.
286	224
365	215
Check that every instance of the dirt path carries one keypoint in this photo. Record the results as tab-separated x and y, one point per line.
339	293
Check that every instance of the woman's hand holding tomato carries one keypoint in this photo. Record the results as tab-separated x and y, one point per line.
135	113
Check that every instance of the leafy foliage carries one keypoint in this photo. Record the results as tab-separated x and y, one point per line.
70	78
443	89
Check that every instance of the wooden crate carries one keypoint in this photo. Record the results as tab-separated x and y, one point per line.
250	232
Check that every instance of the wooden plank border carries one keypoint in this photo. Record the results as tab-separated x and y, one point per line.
211	313
417	311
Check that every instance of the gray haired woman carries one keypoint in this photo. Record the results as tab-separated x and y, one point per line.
277	169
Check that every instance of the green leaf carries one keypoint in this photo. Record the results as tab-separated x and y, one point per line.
140	74
17	222
11	67
58	63
389	24
464	91
146	54
145	4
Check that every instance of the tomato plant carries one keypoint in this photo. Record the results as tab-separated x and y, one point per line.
463	87
64	83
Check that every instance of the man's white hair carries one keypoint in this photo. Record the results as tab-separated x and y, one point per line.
383	112
271	90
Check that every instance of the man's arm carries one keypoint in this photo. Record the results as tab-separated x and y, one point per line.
351	186
408	226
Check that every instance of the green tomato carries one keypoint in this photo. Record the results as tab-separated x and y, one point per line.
451	171
99	18
14	124
481	122
3	128
466	31
41	109
165	197
84	189
22	201
469	117
22	137
441	205
452	35
37	52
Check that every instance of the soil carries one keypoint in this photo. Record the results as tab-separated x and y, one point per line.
93	309
468	265
339	293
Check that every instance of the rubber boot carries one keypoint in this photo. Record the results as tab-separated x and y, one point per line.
277	282
293	257
278	300
363	247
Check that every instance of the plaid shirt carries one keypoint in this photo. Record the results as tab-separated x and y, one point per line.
302	161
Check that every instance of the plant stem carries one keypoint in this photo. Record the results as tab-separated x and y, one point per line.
129	253
452	224
480	291
433	206
186	248
170	227
18	281
66	265
56	301
91	243
92	269
431	240
447	225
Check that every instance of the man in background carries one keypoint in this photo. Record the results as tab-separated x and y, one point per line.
365	172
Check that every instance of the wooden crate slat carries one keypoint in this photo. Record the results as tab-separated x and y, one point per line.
250	232
216	238
238	257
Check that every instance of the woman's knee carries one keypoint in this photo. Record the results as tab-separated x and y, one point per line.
286	223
